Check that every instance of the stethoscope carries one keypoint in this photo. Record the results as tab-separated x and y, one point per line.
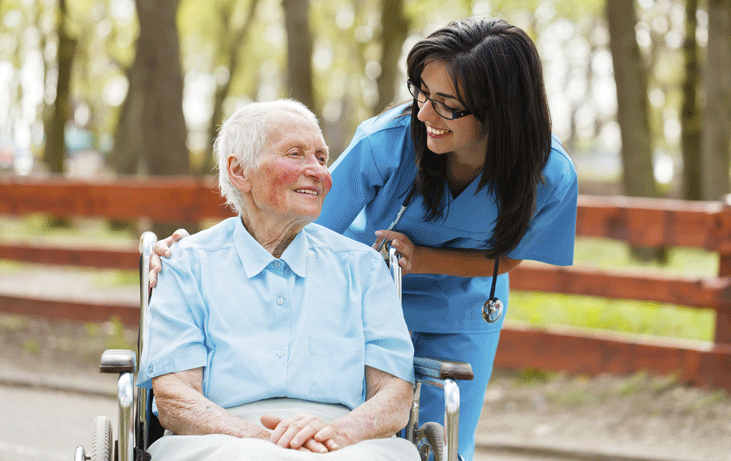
493	308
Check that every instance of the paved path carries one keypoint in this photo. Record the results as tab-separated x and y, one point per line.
607	418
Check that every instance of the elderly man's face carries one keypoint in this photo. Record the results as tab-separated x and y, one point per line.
291	177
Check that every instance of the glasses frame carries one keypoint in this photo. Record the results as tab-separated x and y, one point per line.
416	91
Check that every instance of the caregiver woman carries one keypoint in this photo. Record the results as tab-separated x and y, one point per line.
490	183
489	176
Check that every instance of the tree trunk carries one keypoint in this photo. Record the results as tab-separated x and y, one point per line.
126	155
630	77
690	117
299	52
157	62
229	48
717	116
55	149
157	71
395	28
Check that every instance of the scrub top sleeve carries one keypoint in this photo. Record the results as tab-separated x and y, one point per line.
550	237
356	179
175	340
388	345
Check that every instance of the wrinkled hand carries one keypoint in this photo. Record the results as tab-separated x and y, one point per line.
408	251
162	248
304	432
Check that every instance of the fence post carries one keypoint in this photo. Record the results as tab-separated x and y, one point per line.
723	309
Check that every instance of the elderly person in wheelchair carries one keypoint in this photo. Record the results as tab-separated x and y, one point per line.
270	337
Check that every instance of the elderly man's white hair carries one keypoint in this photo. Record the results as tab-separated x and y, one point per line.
243	136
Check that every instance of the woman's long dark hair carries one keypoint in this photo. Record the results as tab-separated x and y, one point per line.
497	75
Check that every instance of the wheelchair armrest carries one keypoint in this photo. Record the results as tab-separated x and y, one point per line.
118	361
442	369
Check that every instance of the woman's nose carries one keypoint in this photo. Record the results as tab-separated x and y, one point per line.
315	169
425	114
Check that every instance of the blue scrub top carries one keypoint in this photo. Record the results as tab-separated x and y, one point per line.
370	181
302	326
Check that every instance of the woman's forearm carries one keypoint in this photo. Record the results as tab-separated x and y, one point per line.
457	262
184	410
384	413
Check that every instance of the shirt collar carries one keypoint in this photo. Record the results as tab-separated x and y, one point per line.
254	258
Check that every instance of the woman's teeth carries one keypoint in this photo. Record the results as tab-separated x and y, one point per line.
436	132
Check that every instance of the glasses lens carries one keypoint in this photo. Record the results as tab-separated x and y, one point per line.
416	93
442	110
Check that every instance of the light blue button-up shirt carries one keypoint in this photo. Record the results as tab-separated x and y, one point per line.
302	326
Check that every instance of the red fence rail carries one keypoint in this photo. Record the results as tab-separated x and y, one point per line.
642	222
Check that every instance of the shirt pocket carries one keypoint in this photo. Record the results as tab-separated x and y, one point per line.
337	369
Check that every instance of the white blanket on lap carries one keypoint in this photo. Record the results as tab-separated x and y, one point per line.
218	447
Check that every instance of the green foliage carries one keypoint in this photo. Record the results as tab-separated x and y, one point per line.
32	346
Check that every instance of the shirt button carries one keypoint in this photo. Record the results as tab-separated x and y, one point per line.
280	301
277	264
280	353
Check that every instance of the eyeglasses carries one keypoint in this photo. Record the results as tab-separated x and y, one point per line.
441	109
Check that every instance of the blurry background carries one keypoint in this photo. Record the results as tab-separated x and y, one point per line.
640	94
98	87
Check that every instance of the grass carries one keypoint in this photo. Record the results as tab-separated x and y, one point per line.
542	309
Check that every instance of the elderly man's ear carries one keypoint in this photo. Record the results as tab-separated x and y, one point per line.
238	174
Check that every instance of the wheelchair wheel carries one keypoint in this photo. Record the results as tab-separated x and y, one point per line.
430	440
101	439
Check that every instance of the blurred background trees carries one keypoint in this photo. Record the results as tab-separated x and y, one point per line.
640	90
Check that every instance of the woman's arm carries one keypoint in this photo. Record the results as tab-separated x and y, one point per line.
447	261
184	410
385	412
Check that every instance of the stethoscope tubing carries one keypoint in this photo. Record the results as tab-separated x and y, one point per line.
492	310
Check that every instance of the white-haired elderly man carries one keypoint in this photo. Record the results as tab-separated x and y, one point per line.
271	337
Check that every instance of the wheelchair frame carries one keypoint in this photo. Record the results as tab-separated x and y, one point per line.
138	427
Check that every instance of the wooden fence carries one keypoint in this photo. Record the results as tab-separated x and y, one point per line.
642	222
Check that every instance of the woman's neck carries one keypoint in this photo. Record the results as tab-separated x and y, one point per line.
274	238
461	174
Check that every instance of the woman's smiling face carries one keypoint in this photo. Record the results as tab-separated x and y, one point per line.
465	136
290	179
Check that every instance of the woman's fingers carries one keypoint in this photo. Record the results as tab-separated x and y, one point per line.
401	243
295	432
270	421
328	436
315	446
162	248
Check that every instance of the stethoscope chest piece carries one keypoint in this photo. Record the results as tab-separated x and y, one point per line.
492	310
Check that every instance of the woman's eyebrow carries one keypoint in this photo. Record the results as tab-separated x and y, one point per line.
443	95
446	96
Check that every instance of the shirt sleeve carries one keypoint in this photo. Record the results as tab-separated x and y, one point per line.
550	237
175	340
388	346
355	182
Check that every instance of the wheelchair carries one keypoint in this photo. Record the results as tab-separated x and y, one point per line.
138	427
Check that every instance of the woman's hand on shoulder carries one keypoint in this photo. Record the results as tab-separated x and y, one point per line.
408	251
304	432
162	248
